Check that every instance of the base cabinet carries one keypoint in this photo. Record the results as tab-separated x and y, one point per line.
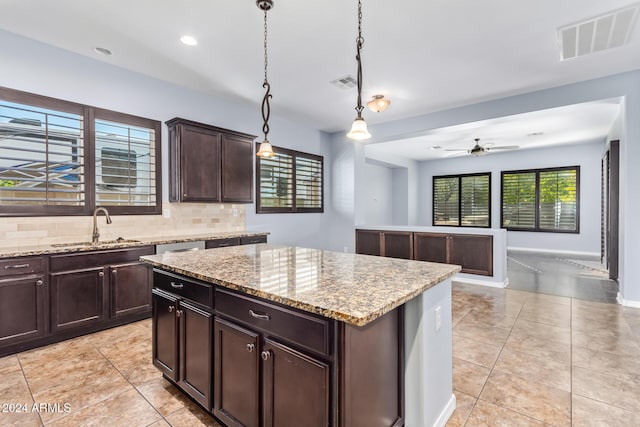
22	309
77	298
182	337
130	289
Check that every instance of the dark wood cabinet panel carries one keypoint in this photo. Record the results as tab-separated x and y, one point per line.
195	332
368	242
165	334
250	240
397	244
77	298
237	169
473	252
221	243
237	380
22	309
130	288
209	164
430	247
295	388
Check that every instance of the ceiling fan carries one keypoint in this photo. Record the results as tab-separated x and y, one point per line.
480	150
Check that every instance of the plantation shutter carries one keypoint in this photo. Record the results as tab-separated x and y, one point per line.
558	200
446	206
475	200
519	200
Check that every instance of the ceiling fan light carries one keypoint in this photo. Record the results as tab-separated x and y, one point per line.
265	150
359	130
378	104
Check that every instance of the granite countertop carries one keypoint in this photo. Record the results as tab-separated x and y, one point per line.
58	248
351	288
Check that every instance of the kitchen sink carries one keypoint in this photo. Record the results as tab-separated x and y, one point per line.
100	243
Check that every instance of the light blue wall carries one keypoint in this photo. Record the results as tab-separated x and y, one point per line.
586	155
626	85
39	68
378	197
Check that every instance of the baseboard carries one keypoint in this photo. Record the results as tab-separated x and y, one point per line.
446	413
626	302
473	281
553	251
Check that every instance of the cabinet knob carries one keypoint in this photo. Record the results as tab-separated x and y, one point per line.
39	282
184	195
101	274
178	313
114	271
265	355
250	347
171	309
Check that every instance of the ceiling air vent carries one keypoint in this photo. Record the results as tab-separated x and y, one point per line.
612	29
346	82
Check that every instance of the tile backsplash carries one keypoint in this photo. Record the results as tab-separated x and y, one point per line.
184	219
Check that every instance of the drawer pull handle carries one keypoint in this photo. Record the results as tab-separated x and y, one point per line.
222	245
250	347
259	315
171	309
7	267
39	282
177	285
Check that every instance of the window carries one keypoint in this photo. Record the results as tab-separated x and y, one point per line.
62	158
541	200
462	200
290	181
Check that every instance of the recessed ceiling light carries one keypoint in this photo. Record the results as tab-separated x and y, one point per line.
102	51
189	40
535	134
436	147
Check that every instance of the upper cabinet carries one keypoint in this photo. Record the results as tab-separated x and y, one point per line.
209	164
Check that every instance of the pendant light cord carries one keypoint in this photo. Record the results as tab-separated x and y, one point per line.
266	108
359	43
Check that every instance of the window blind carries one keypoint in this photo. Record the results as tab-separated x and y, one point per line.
462	200
519	200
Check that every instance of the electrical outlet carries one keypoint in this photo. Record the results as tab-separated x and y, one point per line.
234	211
438	312
166	213
346	249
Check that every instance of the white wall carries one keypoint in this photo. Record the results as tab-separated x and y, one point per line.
39	68
378	198
586	155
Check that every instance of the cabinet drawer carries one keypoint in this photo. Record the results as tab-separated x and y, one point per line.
299	328
201	293
19	266
249	240
77	261
220	243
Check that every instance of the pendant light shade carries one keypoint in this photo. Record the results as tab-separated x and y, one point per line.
265	147
359	130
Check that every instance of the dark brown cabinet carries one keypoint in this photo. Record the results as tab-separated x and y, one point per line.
295	386
182	337
474	252
77	298
209	164
23	300
130	289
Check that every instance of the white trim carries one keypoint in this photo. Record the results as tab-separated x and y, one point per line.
473	281
446	413
626	302
553	251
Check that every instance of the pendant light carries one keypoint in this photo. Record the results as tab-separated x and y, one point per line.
265	147
359	127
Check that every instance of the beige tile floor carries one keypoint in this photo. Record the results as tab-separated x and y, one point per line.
526	359
519	359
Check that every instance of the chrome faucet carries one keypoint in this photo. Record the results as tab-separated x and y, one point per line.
96	235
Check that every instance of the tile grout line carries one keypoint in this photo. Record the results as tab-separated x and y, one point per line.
28	386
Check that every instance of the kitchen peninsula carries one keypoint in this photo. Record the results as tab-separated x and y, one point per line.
276	335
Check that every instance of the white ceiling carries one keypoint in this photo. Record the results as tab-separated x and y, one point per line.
424	55
572	124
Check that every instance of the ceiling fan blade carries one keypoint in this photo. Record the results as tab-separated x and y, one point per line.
503	147
458	154
456	149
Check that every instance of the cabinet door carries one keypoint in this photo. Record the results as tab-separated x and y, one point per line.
473	252
295	388
237	381
199	164
368	242
130	289
77	298
430	247
397	244
196	328
165	334
237	169
22	305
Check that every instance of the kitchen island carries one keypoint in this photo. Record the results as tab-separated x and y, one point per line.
276	335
